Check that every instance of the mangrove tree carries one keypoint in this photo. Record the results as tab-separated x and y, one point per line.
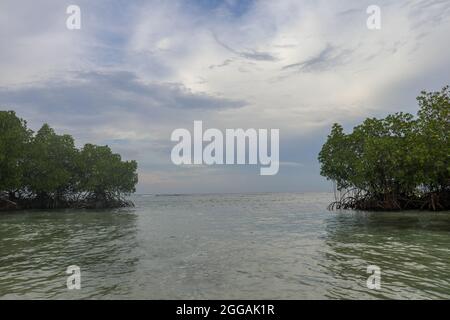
396	163
47	170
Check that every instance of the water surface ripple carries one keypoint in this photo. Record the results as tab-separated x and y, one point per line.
253	246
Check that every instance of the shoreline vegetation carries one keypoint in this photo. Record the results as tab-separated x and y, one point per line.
400	162
44	170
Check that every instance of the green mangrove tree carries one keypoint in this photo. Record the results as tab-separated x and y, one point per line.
46	170
399	162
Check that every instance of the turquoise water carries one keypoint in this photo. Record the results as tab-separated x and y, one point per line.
253	246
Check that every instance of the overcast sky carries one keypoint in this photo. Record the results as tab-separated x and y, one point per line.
137	70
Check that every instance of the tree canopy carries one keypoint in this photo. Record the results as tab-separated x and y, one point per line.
399	162
46	170
14	138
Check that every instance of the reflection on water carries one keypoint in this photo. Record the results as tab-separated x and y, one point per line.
411	248
37	247
255	246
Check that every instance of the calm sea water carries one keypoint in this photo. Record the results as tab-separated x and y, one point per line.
254	246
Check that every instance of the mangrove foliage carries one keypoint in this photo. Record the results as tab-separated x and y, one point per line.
396	163
46	170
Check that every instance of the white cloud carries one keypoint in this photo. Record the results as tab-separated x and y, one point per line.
299	65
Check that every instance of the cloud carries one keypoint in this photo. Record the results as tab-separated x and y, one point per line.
250	54
115	108
94	93
137	71
329	58
223	64
35	41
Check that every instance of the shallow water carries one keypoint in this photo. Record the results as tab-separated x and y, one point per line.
253	246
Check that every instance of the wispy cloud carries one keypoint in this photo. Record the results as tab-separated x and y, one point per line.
328	58
250	54
138	70
96	92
